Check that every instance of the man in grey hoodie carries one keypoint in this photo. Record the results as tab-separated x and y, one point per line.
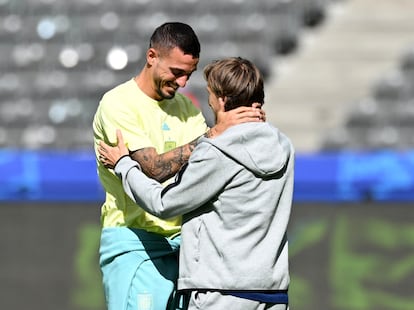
235	194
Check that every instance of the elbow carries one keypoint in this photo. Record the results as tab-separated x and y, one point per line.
155	208
165	215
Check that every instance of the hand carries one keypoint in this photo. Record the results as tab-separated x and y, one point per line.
237	116
258	109
109	155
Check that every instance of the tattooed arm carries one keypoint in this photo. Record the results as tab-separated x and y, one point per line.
161	167
164	166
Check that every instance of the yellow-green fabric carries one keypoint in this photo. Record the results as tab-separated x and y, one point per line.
144	122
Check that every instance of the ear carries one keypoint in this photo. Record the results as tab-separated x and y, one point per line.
151	56
222	103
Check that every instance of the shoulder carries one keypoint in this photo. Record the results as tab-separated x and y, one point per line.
120	88
205	150
122	98
186	102
182	107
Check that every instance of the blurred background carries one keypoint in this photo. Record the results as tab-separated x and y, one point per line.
339	82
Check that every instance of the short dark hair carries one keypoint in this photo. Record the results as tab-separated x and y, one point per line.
237	79
175	34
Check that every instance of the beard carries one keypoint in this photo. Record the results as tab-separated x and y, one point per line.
165	95
166	90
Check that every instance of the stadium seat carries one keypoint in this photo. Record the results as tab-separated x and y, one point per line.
64	55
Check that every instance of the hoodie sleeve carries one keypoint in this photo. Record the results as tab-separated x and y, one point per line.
198	182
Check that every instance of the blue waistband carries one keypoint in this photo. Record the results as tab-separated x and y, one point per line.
268	297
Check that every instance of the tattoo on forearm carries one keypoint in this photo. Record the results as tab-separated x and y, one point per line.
169	163
145	157
163	169
164	166
178	158
192	145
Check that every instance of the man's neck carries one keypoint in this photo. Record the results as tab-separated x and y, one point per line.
143	82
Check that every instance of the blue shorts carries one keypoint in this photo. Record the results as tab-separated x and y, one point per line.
139	269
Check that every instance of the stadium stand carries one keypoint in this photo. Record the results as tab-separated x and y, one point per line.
58	57
337	70
385	118
340	79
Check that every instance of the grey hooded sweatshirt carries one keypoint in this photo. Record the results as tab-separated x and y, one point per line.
235	195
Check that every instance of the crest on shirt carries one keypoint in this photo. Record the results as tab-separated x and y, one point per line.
165	126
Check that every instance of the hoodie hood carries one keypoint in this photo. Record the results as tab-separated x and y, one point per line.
260	147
